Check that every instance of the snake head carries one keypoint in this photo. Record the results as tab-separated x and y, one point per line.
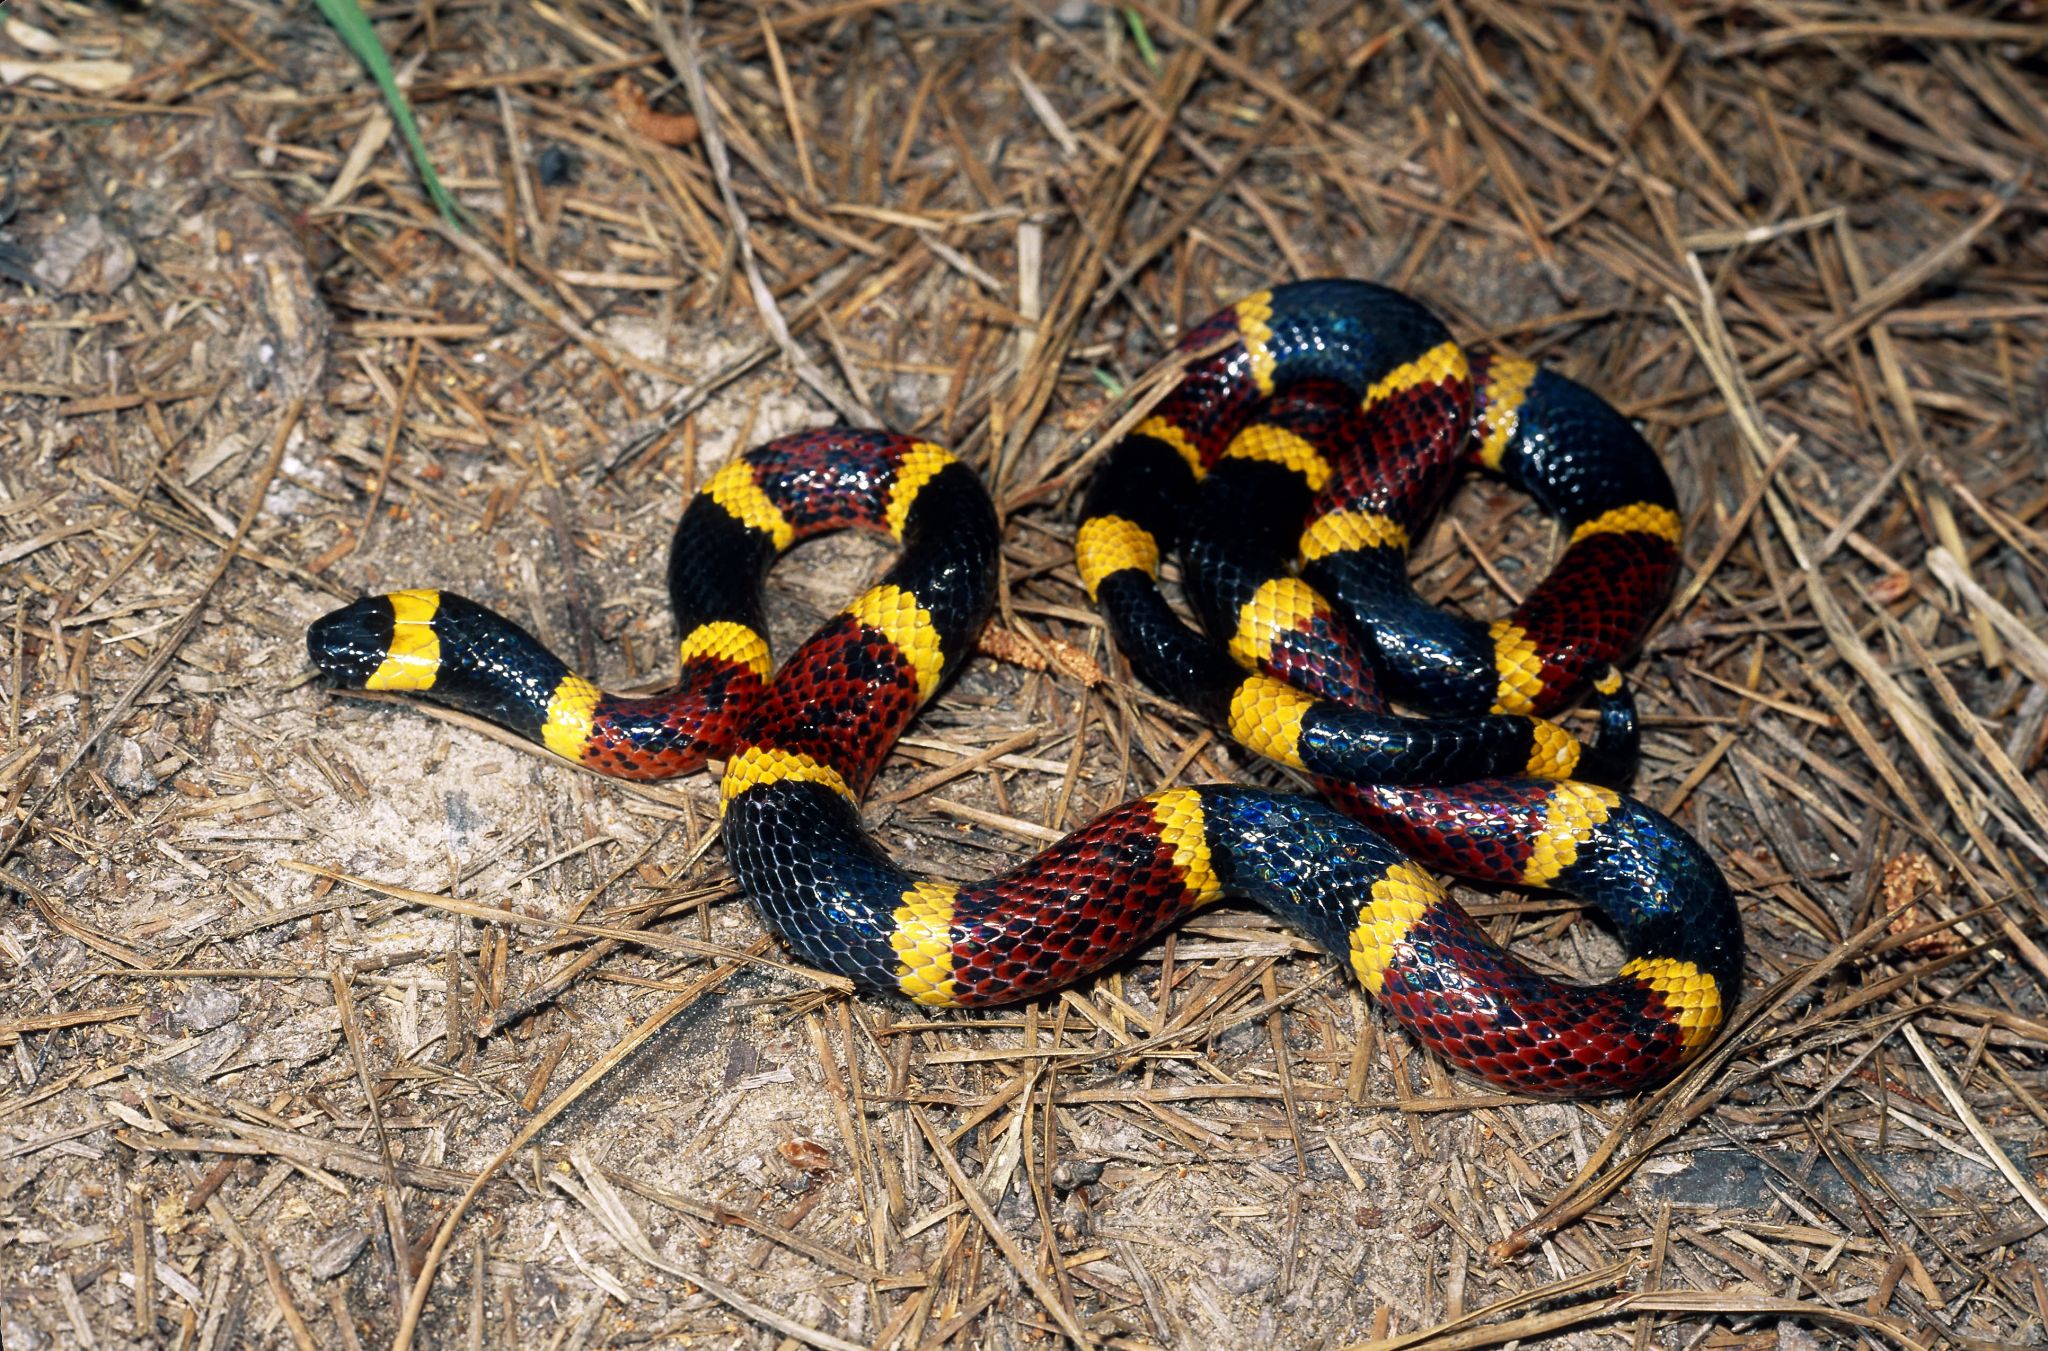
350	644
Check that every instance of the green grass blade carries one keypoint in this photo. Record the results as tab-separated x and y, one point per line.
1143	37
348	20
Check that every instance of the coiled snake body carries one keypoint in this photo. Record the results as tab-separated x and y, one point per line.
1290	468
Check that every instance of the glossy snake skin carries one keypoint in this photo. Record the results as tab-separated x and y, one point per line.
1288	471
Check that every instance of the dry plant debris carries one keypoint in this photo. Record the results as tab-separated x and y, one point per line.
334	1023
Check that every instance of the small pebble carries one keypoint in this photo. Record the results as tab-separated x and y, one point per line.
557	167
337	1252
207	1007
84	257
1071	1174
127	768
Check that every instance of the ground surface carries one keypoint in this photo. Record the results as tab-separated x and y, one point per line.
281	973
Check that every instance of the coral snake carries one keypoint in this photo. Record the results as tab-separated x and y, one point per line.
1314	430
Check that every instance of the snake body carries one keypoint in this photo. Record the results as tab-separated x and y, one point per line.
1313	431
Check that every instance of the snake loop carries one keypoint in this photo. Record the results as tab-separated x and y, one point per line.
1289	472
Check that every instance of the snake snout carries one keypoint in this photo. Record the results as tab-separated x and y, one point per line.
349	644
